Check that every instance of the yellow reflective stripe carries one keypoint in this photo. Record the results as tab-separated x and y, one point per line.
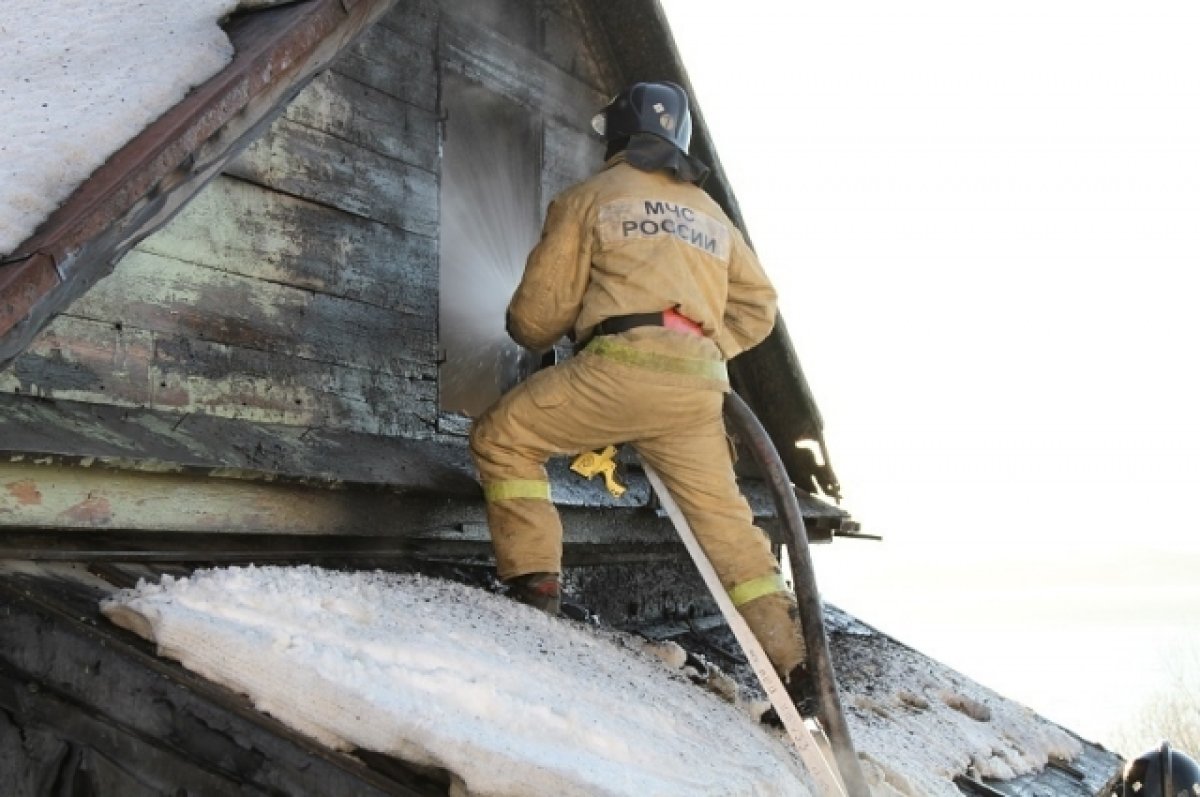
606	346
757	587
517	488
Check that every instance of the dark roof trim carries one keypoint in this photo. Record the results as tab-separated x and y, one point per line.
769	376
277	51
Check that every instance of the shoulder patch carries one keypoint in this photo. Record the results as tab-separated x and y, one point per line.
626	219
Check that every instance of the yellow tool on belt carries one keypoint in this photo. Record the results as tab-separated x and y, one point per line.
589	463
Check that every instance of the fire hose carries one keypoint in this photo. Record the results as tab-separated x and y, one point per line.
749	429
813	754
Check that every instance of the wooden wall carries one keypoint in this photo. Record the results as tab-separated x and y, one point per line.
300	288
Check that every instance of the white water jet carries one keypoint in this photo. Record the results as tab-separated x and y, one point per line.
490	220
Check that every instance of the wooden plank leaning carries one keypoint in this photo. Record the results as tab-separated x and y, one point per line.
823	773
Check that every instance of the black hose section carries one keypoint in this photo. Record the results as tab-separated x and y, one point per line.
812	617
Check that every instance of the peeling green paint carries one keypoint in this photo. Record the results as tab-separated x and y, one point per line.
67	497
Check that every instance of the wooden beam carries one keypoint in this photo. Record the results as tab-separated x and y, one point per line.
144	439
75	497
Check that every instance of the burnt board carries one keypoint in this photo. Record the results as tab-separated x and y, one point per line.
90	709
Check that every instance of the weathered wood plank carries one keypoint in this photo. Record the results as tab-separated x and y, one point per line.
242	228
416	20
65	432
402	65
98	362
74	496
568	156
154	439
573	42
137	724
77	497
142	549
484	57
317	166
513	20
161	294
195	376
368	118
81	360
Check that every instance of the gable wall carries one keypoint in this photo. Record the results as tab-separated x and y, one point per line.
299	289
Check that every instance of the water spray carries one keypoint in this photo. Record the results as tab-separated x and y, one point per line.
490	221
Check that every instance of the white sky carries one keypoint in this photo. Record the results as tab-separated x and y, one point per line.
982	218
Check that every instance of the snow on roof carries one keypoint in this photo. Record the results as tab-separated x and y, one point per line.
514	702
918	723
510	700
80	79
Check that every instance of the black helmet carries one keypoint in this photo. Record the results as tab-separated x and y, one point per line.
660	109
1161	773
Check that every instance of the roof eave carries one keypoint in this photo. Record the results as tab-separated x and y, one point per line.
277	51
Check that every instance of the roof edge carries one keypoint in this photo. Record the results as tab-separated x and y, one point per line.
141	187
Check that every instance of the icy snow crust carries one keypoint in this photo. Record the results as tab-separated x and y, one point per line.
511	701
79	79
917	724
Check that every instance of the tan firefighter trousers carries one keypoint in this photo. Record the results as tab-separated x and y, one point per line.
594	400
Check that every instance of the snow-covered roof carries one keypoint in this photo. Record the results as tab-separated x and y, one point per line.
75	87
116	113
514	702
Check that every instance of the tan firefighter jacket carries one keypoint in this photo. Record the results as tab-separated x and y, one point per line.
628	241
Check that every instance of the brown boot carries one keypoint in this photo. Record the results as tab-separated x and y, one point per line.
539	590
802	689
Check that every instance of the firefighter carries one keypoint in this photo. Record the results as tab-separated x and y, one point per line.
1161	772
658	289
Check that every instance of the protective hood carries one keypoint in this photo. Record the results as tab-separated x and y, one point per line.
649	153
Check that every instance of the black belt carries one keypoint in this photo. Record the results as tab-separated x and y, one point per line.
623	323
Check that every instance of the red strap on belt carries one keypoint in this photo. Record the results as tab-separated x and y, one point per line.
673	319
669	319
